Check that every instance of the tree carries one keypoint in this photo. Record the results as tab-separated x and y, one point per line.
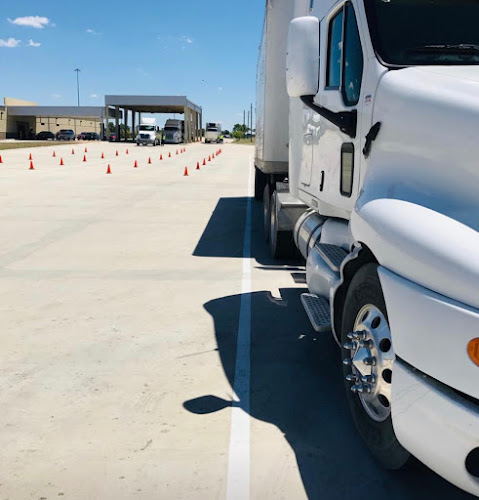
239	131
226	132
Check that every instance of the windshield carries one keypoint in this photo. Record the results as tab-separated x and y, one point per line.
212	130
171	129
414	32
148	128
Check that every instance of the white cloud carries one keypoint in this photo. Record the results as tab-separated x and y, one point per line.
31	21
220	89
94	96
92	32
10	43
31	43
56	96
186	39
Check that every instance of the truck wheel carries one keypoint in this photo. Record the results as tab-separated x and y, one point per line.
266	212
260	181
281	243
368	360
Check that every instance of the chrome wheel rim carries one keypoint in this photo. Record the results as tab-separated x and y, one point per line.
371	360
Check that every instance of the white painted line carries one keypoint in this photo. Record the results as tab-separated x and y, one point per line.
238	485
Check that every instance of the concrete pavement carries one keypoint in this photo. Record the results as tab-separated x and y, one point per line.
120	299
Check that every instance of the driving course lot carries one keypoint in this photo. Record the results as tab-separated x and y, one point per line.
124	300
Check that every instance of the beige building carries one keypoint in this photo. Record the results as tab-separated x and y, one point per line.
21	119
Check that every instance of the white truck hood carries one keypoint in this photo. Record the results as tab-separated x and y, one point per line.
427	150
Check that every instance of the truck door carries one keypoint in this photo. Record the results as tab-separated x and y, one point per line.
336	155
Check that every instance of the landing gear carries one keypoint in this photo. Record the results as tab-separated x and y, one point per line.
368	361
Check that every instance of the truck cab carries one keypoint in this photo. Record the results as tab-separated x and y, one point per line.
148	133
383	112
174	131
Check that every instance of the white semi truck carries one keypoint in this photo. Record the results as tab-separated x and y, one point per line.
148	132
381	190
213	133
174	131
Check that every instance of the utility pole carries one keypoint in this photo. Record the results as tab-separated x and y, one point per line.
244	122
78	87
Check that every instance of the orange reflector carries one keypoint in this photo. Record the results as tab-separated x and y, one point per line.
473	350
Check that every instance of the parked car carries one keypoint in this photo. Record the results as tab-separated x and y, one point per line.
81	136
95	136
45	136
66	135
112	137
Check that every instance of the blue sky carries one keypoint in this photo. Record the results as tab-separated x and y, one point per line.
206	50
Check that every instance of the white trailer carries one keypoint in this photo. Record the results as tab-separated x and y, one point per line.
384	106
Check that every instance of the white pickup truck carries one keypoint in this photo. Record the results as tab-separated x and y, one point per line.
381	198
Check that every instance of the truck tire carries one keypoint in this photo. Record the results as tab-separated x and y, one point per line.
281	243
266	212
260	180
369	399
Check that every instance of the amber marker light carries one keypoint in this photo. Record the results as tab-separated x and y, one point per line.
473	350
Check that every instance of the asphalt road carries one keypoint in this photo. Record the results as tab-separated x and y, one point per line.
121	300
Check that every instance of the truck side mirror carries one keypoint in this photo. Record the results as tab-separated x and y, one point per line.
302	59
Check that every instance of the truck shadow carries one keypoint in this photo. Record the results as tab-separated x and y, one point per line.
296	384
224	234
296	378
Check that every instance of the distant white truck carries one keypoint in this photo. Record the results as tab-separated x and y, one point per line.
174	131
213	133
148	132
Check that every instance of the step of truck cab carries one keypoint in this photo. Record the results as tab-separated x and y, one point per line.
318	311
333	255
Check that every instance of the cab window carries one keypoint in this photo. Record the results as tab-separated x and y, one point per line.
345	56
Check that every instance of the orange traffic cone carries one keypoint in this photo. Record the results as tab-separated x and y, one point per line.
136	164
204	162
102	156
116	154
31	166
213	156
73	151
127	151
176	151
209	158
86	150
84	158
149	160
169	154
161	157
61	161
197	165
108	170
54	154
30	157
186	171
1	161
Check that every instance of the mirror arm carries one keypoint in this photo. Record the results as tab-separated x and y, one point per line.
345	120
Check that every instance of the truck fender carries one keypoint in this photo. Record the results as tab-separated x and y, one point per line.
421	245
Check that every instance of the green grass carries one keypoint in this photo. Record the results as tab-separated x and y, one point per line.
244	141
26	144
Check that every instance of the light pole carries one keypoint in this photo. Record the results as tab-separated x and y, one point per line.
78	87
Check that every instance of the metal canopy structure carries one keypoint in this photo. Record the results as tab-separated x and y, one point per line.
137	104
